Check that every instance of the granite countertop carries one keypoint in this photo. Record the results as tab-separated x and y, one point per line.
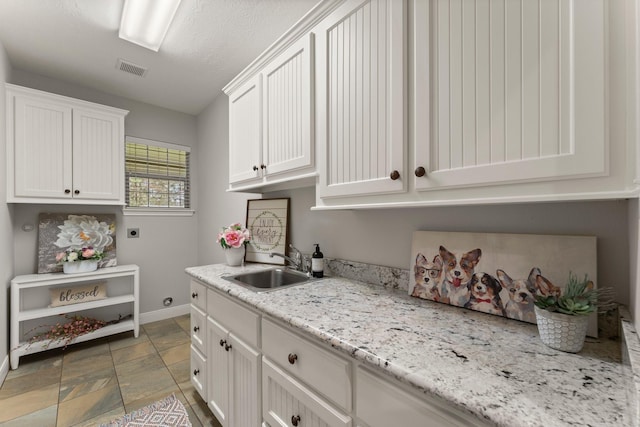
494	368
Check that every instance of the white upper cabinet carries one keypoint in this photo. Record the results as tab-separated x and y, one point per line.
271	121
360	118
245	132
61	150
509	91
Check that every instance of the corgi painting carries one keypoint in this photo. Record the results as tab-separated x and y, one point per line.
498	274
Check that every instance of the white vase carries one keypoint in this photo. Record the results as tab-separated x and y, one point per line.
234	256
560	331
79	266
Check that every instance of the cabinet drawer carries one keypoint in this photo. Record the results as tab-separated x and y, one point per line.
284	400
403	408
327	373
198	329
243	322
198	372
199	295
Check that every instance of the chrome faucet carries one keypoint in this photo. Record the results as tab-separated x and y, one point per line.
299	261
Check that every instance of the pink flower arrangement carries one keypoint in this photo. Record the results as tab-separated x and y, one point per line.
234	236
82	254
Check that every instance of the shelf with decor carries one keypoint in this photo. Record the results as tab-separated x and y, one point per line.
119	285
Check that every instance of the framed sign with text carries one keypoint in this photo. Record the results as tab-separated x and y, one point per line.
268	222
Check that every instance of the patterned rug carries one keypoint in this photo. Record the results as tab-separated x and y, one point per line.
168	412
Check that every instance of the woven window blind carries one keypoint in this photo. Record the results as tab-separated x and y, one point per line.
157	174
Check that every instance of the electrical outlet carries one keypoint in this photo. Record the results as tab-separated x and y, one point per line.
133	233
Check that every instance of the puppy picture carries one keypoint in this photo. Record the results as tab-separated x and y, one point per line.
484	292
457	273
427	278
497	273
521	295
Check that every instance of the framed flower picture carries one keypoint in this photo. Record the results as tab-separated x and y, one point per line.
59	232
268	222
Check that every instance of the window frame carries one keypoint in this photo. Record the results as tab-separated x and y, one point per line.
159	211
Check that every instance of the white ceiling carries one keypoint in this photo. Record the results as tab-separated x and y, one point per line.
208	43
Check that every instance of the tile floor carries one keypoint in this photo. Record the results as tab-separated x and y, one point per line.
95	382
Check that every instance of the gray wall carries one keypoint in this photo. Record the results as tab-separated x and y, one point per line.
6	232
217	207
166	244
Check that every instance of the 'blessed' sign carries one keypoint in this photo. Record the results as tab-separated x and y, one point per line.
76	294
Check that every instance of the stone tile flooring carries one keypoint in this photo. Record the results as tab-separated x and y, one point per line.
95	382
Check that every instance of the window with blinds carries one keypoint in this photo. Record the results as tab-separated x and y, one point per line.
156	174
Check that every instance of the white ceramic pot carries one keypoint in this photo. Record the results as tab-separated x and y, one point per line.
79	266
234	256
560	331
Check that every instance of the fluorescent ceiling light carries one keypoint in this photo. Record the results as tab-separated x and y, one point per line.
145	22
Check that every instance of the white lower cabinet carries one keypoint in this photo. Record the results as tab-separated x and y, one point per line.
233	367
379	403
288	402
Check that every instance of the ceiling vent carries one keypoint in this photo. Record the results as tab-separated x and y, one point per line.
131	68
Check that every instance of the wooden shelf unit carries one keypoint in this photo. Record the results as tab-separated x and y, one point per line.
19	314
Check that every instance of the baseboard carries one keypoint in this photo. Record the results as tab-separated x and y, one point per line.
165	313
4	369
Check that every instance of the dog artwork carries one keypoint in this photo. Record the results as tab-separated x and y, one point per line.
427	278
521	295
457	271
484	290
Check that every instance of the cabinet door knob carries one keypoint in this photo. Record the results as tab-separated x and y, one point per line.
420	171
67	191
196	371
196	328
222	343
292	358
295	420
394	175
263	166
194	295
76	192
255	168
227	347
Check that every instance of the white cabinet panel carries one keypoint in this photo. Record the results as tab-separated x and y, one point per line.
217	371
360	68
509	91
98	162
287	138
286	402
245	132
42	147
244	389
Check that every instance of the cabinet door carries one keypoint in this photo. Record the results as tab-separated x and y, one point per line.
360	69
98	155
217	371
244	380
509	91
245	132
287	109
42	146
286	400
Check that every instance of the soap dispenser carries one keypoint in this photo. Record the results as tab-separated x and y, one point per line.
317	262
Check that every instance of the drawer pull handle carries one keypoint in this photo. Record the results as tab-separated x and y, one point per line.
227	347
196	371
222	343
394	175
420	171
295	420
194	295
292	358
196	328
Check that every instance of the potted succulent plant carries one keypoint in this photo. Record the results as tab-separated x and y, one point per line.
562	318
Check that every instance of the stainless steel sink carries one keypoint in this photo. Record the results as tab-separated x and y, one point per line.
267	280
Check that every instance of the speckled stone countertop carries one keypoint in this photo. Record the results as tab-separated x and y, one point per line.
494	368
